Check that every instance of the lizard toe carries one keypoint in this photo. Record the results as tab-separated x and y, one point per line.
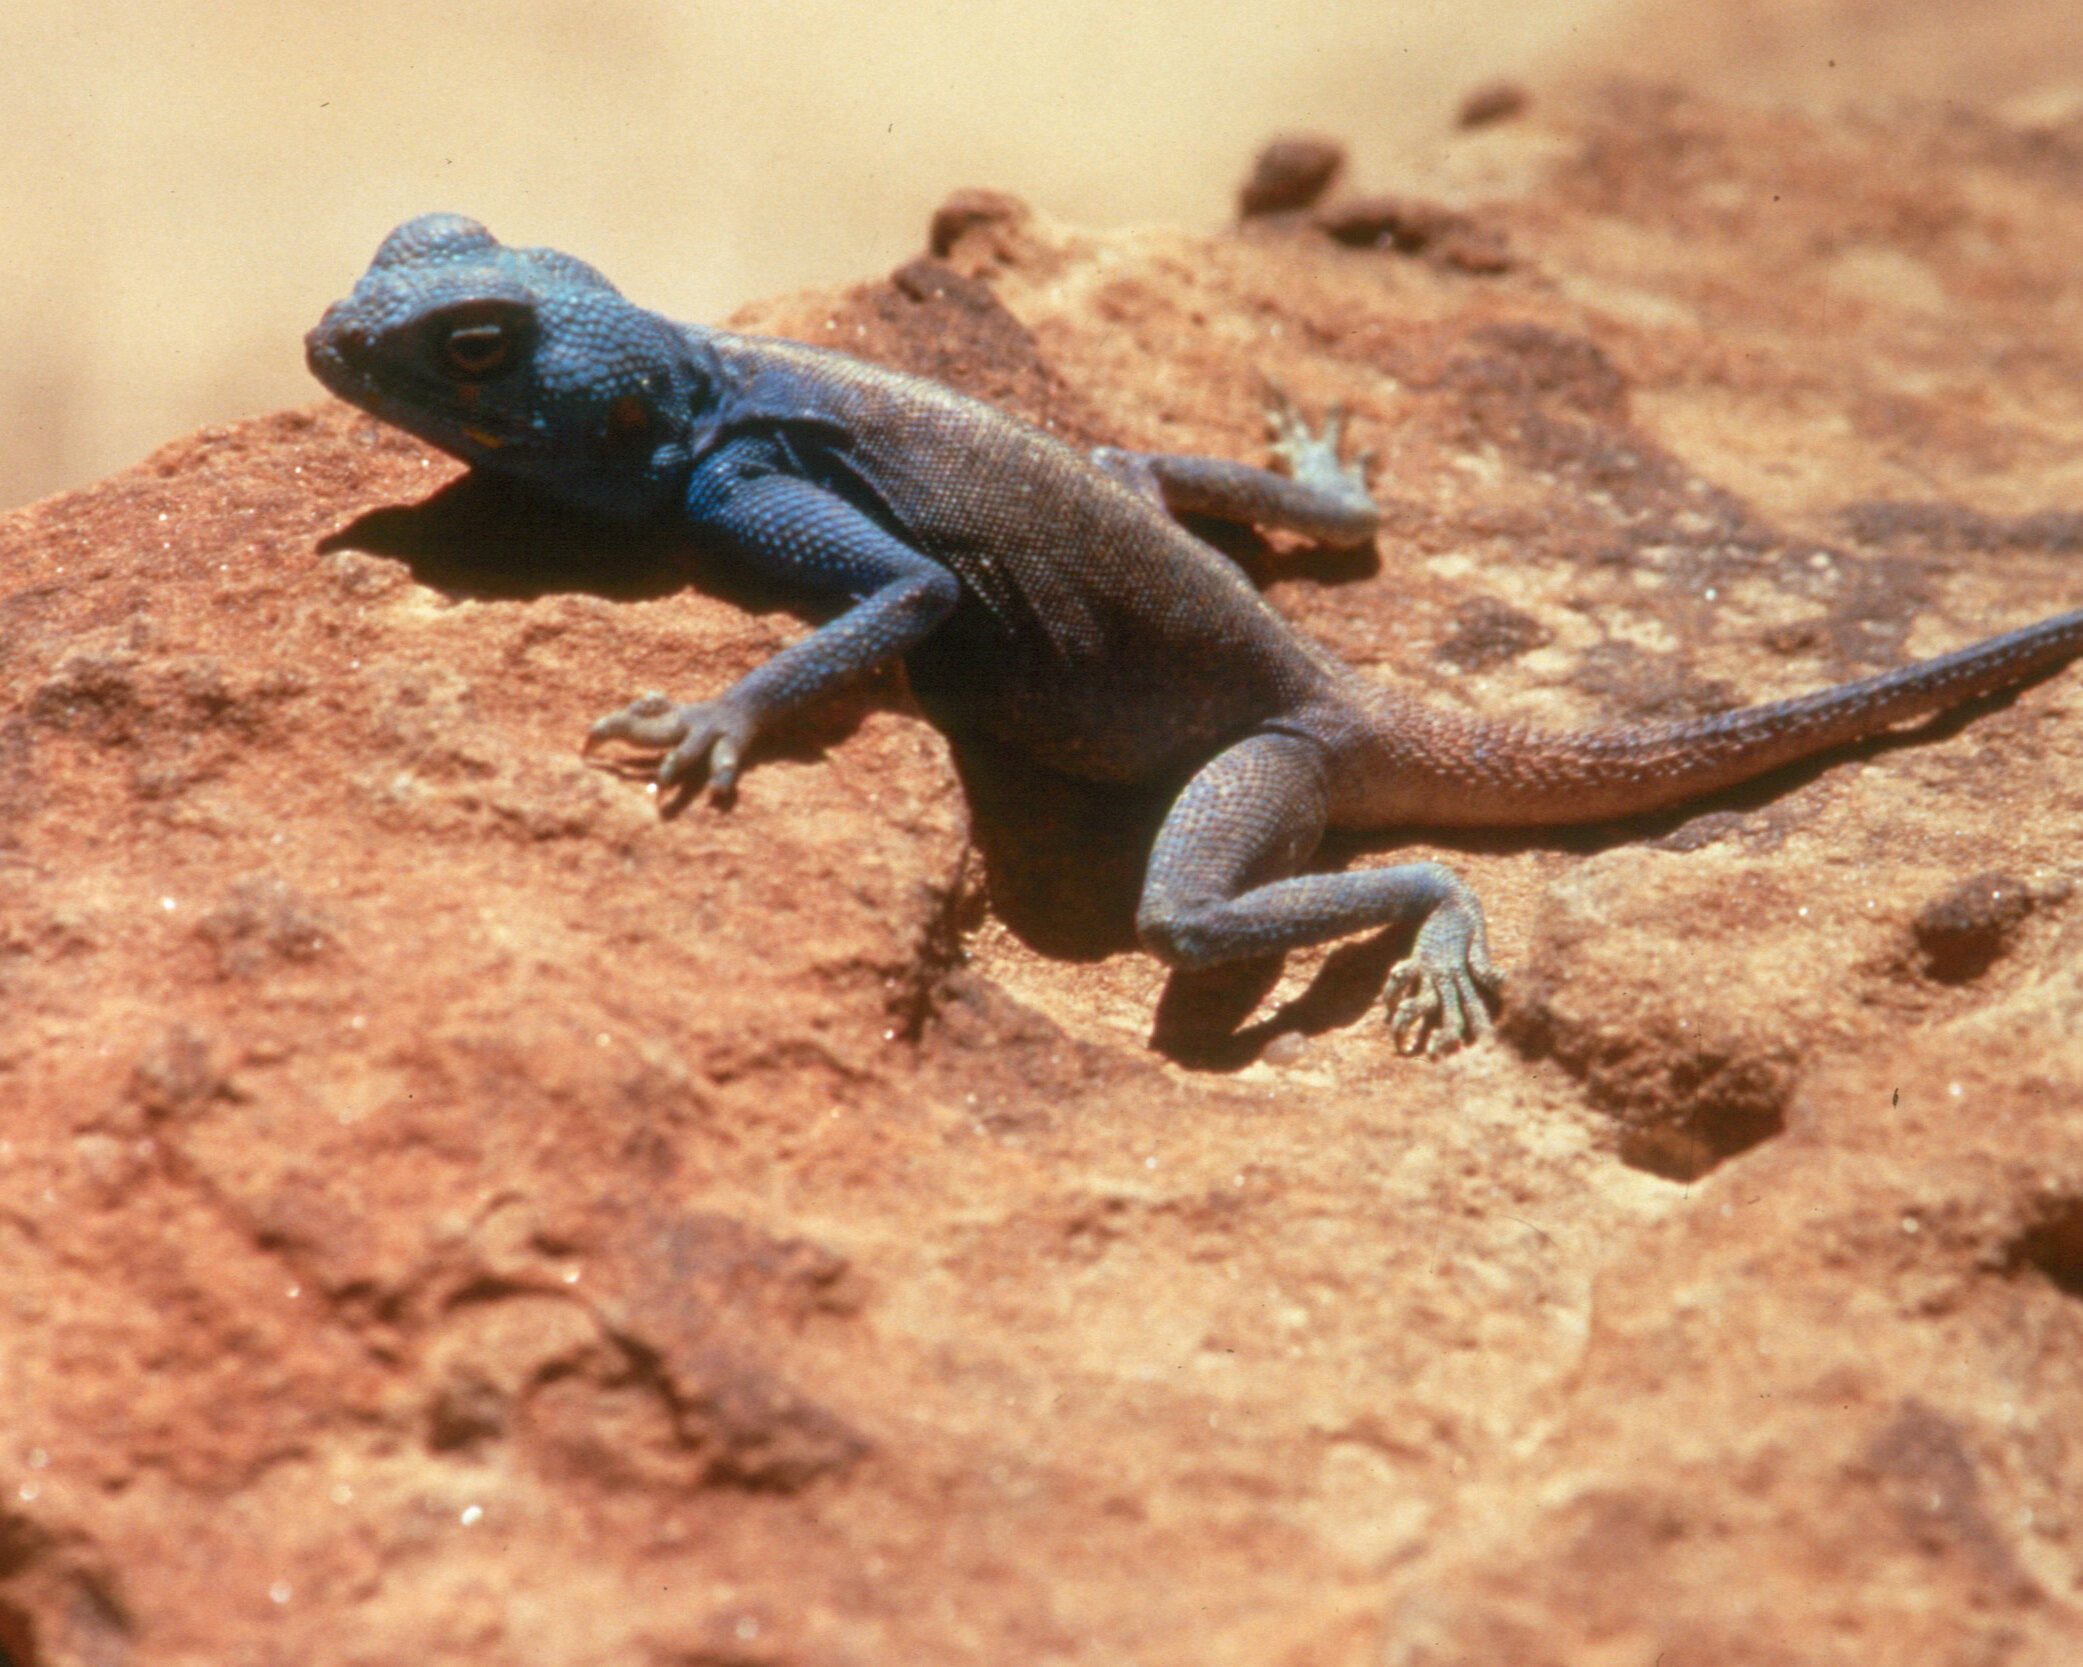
647	721
711	735
1311	456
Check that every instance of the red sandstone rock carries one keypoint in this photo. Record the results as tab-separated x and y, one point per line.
450	1213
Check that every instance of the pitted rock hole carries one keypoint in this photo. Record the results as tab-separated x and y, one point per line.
2053	1244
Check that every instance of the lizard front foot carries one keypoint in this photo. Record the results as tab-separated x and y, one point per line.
713	731
1443	985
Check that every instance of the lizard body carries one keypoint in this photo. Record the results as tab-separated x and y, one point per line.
1042	596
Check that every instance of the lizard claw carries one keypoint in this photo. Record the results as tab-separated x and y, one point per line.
1287	428
1333	435
711	732
643	721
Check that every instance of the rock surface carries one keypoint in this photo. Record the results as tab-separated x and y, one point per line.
450	1212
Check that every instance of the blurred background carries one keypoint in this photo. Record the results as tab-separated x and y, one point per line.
186	183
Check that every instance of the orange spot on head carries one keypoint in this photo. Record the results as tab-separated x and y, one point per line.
627	417
491	442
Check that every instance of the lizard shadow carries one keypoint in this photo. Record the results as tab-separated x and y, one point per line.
485	539
1063	859
1323	565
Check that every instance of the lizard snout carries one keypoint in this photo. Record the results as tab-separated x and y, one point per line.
335	339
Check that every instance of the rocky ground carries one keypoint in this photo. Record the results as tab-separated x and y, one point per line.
450	1212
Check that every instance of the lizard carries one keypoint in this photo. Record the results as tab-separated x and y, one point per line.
1047	598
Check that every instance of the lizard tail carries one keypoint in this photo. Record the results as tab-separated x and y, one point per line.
1475	774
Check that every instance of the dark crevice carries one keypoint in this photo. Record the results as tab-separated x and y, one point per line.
1686	1098
939	955
2052	1244
18	1638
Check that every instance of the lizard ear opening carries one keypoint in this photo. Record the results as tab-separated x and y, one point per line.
629	418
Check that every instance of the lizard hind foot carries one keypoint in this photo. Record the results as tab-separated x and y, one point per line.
1439	997
1311	456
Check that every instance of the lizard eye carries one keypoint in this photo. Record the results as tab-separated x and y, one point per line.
476	349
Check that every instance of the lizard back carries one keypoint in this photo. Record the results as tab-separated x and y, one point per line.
1094	632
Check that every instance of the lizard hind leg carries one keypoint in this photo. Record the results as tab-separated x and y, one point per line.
1319	495
1222	887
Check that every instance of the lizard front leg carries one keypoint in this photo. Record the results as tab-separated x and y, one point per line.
1222	887
794	533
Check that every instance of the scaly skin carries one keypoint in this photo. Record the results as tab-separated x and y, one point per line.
1041	596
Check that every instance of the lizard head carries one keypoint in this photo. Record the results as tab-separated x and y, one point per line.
524	362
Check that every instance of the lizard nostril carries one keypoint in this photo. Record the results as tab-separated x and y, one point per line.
339	334
334	344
